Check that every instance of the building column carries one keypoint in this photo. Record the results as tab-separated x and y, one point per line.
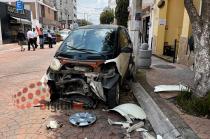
1	41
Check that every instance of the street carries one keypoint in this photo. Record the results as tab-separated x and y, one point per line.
19	70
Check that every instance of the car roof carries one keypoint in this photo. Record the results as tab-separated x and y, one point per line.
104	26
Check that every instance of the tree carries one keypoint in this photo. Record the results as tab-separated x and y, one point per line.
107	16
121	12
201	35
83	22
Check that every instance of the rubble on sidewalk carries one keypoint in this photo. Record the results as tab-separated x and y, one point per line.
53	124
170	88
131	112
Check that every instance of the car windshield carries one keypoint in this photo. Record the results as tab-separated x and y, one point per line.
94	40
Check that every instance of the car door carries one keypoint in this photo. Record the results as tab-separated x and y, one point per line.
123	41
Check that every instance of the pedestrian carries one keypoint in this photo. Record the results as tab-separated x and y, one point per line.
49	36
41	37
35	38
30	37
21	38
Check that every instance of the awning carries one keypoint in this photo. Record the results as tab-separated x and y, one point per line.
22	21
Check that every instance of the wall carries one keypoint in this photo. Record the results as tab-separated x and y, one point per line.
174	21
0	33
184	55
159	29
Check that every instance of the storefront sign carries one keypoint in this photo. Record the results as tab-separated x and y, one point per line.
24	14
162	22
19	5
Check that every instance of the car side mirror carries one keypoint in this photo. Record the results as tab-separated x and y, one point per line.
127	50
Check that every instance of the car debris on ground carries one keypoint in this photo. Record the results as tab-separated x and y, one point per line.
82	119
132	113
171	88
53	124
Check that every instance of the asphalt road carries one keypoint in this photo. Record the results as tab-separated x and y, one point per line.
20	73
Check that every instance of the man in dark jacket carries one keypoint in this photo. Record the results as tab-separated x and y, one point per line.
21	38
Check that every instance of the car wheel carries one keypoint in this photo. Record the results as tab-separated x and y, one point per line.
54	96
113	96
53	93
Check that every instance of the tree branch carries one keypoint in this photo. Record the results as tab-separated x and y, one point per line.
205	15
193	14
195	19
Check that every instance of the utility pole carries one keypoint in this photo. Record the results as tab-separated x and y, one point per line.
135	24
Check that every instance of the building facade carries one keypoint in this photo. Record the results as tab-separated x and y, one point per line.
172	30
67	12
44	14
11	21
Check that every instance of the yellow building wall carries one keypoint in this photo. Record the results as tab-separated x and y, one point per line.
187	29
184	56
174	20
177	23
159	30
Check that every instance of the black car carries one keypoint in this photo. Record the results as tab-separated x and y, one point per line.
93	61
53	36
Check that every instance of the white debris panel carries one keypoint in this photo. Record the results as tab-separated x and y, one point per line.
171	88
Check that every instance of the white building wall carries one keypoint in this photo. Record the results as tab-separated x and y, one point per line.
66	9
1	42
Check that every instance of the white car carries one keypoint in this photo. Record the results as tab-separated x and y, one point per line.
92	61
64	34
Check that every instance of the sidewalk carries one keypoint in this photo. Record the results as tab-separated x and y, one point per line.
15	47
164	73
4	47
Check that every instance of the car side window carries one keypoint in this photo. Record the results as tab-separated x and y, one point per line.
123	39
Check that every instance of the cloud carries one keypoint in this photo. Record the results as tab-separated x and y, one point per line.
92	9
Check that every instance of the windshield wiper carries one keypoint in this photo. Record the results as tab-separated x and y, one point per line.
80	49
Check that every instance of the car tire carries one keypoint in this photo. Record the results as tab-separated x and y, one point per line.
132	71
113	96
54	96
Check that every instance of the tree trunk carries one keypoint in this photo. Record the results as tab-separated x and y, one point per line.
202	63
201	34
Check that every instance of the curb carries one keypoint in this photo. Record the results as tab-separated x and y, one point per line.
159	121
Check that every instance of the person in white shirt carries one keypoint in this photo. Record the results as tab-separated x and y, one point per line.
49	36
30	37
35	38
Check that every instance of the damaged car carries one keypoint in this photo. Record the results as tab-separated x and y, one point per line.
93	61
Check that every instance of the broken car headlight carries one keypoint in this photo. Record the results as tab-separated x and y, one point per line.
55	64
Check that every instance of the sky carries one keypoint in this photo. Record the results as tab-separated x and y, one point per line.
90	9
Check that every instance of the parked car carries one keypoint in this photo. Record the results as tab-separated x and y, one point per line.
92	61
53	36
64	34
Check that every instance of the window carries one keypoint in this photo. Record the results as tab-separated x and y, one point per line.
42	11
123	39
49	10
55	15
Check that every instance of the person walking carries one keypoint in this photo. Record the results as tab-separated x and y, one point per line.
41	37
49	36
30	37
21	38
35	38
